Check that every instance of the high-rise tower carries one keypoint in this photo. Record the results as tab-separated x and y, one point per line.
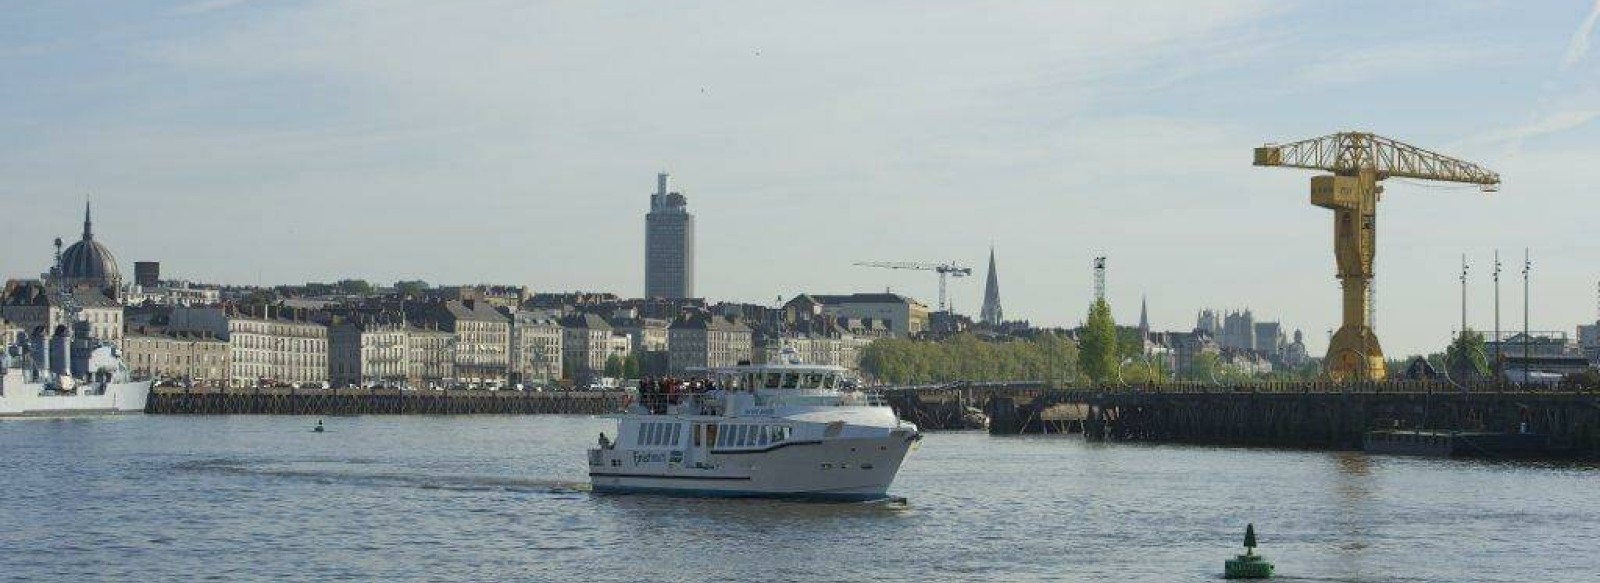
668	245
991	313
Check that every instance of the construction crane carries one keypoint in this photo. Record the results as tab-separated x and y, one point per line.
1358	162
945	271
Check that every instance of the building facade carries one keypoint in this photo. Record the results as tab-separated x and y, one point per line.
33	305
701	341
432	357
536	347
265	349
188	358
904	316
668	245
369	353
586	342
482	339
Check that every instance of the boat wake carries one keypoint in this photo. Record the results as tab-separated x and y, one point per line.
359	472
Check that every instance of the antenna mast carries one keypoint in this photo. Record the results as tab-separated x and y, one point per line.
1100	278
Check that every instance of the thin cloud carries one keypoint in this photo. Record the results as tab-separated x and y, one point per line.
1580	41
1558	121
204	6
1388	61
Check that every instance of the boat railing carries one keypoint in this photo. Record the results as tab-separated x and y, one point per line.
712	404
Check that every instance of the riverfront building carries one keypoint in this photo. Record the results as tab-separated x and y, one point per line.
700	341
194	358
265	348
905	317
536	347
668	245
586	340
33	305
432	357
369	352
482	336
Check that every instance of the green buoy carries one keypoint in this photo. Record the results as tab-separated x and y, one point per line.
1248	565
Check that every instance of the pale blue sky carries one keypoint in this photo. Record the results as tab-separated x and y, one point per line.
517	142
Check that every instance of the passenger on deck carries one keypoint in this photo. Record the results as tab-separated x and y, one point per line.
604	442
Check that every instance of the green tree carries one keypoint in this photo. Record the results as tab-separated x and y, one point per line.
1465	357
413	288
965	357
1098	344
358	287
630	366
1205	366
613	366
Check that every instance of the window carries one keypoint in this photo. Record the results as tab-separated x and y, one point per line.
813	380
773	379
790	380
827	381
764	435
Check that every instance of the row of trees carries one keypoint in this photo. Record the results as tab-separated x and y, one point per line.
1103	353
965	357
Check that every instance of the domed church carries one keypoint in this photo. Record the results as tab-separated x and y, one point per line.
87	263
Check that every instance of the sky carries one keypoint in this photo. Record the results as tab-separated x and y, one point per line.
517	142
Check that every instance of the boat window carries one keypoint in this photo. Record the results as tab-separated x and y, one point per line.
790	380
677	428
827	381
773	379
711	434
813	380
744	435
763	437
699	431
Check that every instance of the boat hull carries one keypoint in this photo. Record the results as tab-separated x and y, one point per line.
118	398
844	470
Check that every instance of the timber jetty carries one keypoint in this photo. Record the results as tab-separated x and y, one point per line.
285	401
1297	415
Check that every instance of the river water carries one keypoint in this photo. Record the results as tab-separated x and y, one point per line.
158	498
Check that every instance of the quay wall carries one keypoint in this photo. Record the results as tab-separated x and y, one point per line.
170	401
1307	415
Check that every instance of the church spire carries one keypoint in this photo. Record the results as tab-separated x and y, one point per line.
1144	318
991	313
88	225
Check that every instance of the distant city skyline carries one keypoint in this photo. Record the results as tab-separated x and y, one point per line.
267	143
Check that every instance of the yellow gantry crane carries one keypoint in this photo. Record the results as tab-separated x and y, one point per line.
945	271
1358	162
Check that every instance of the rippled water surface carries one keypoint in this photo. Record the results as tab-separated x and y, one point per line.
155	498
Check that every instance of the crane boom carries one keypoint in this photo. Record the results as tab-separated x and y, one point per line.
945	271
1358	162
1349	153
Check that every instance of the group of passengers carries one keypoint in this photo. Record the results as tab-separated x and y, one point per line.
658	393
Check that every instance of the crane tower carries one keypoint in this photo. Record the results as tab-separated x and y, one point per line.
1357	162
945	271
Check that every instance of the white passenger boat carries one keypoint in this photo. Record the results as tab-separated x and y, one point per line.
775	431
85	380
